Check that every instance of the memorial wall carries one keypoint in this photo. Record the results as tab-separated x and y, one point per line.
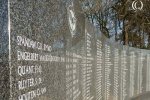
4	52
49	51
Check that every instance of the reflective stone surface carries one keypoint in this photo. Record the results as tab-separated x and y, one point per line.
48	51
4	64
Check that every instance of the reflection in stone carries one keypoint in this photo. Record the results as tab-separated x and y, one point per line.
139	75
107	65
99	75
123	81
132	74
116	75
148	73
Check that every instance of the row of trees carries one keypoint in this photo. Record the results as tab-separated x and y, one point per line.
117	19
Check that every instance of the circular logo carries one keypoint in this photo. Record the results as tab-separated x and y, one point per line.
134	5
72	19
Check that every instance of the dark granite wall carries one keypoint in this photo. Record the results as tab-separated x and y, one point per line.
41	21
45	22
55	54
4	64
